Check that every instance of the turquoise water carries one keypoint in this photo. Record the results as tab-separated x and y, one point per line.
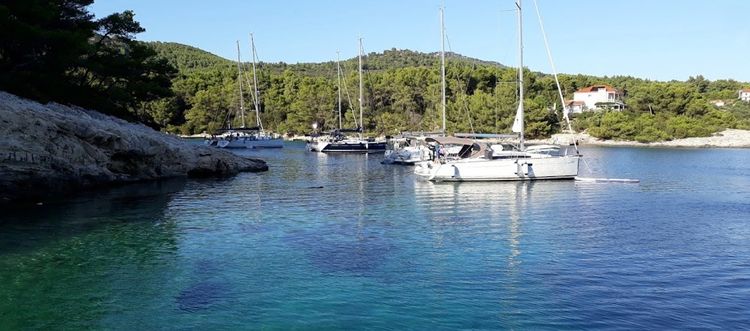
343	242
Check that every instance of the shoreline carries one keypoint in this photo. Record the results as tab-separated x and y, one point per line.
729	138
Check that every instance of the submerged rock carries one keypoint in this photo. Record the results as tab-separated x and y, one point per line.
53	148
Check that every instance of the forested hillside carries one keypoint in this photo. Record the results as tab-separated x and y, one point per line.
187	58
402	93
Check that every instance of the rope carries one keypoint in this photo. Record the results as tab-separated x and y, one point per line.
552	63
348	97
466	102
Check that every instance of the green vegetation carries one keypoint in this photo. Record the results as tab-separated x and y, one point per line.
403	94
669	110
57	51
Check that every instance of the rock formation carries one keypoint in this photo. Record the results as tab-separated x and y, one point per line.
53	148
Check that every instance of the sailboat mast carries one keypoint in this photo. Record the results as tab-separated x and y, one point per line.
520	73
338	75
239	82
256	100
442	60
361	89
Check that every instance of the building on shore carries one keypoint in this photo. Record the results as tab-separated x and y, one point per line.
596	97
576	107
745	94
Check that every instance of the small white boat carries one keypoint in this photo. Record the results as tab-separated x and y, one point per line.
407	150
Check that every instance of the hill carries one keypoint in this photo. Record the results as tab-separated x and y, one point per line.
187	58
403	94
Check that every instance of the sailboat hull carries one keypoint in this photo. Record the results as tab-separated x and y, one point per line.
357	147
512	169
251	143
353	146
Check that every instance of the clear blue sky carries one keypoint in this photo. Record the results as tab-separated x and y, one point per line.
653	39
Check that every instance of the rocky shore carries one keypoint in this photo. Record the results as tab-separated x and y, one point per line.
730	138
48	149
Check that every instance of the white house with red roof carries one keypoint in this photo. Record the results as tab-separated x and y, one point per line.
596	97
745	94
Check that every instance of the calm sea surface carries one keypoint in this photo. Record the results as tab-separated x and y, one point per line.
343	242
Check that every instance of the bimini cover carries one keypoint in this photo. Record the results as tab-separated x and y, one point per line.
470	148
450	141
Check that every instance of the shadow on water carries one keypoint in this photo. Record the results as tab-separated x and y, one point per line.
56	267
349	249
207	289
23	227
202	295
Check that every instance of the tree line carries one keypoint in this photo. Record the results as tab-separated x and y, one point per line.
403	93
58	51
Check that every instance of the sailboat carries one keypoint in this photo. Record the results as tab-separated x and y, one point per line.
337	141
411	148
247	137
460	159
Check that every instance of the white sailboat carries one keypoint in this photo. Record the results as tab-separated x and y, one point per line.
248	137
479	162
412	148
337	141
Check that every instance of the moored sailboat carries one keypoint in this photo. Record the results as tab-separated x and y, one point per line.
337	140
479	162
246	137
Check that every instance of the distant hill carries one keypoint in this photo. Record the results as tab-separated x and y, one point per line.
188	58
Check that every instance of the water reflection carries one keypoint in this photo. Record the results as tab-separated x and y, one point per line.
498	206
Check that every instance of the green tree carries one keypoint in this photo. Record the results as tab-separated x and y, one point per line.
55	50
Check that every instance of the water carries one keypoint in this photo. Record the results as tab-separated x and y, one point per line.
343	242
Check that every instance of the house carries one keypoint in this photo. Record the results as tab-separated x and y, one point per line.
745	94
718	103
599	97
575	107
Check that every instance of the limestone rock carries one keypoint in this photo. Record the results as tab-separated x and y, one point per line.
46	149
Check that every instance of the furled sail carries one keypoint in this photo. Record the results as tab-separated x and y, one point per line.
518	121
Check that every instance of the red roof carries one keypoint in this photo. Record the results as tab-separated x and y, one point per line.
594	88
746	90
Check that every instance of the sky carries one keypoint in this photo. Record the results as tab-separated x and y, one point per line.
652	39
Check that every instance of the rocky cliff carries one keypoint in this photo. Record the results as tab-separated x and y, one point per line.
50	149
